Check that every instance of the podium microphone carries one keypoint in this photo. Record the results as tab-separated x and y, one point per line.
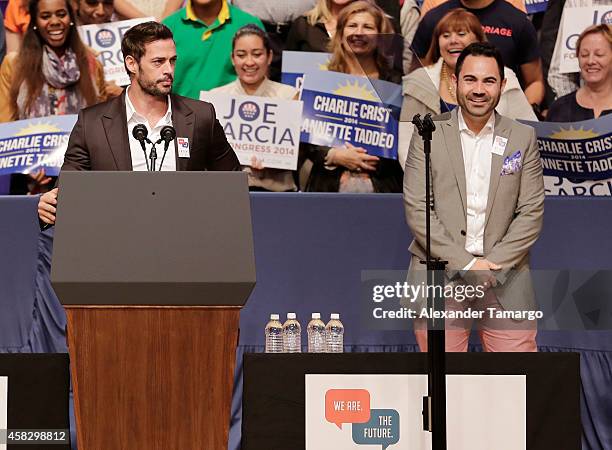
167	134
140	132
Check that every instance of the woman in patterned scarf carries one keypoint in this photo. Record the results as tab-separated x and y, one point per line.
54	73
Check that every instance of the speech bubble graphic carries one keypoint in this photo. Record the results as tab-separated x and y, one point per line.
347	406
383	428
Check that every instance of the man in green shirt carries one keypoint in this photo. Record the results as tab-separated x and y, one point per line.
203	33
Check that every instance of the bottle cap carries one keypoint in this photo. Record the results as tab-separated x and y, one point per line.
274	317
335	316
291	316
316	315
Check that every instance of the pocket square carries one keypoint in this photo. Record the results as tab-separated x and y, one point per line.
512	164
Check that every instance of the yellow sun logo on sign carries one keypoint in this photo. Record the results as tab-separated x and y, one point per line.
37	128
356	90
573	133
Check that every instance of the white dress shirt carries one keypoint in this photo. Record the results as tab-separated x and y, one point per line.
139	162
477	149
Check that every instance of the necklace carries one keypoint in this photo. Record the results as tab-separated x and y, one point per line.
449	85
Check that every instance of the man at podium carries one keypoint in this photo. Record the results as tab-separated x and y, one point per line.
122	133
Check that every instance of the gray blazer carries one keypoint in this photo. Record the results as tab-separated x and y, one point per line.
514	210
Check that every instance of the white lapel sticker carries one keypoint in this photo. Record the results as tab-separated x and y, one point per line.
499	145
183	147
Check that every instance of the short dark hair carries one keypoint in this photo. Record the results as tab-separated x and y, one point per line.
135	39
485	49
252	30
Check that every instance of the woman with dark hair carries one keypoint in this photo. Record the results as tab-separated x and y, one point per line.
430	89
251	57
355	51
53	73
594	98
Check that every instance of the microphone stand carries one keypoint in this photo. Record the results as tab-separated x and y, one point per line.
152	154
434	405
144	150
166	145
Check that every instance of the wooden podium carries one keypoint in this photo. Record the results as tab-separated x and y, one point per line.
153	284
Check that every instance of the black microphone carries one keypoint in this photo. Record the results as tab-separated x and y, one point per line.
167	134
416	120
429	123
140	132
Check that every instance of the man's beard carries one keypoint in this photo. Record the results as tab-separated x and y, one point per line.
150	87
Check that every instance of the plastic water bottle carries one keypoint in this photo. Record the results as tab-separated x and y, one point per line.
334	332
292	334
274	335
316	335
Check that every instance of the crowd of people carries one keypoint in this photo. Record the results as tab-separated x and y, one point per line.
235	47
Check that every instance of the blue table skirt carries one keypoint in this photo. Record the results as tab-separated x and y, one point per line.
310	249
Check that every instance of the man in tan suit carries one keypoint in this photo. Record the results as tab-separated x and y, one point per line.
487	205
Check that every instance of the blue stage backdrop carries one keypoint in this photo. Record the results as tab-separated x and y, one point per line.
310	250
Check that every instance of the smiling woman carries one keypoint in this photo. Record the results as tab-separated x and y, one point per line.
356	51
53	73
594	98
251	57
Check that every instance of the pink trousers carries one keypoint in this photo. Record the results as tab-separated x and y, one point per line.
496	334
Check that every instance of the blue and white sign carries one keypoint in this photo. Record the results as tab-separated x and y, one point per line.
296	64
33	144
578	150
260	128
574	21
105	40
340	108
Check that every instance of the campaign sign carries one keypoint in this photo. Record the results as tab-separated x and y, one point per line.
33	144
296	64
267	129
535	6
574	21
580	150
578	188
340	108
105	40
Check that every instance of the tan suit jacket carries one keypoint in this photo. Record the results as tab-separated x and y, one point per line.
514	212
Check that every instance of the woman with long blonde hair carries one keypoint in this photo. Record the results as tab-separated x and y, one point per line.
355	51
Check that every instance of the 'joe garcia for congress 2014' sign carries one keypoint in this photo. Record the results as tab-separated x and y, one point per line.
265	128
